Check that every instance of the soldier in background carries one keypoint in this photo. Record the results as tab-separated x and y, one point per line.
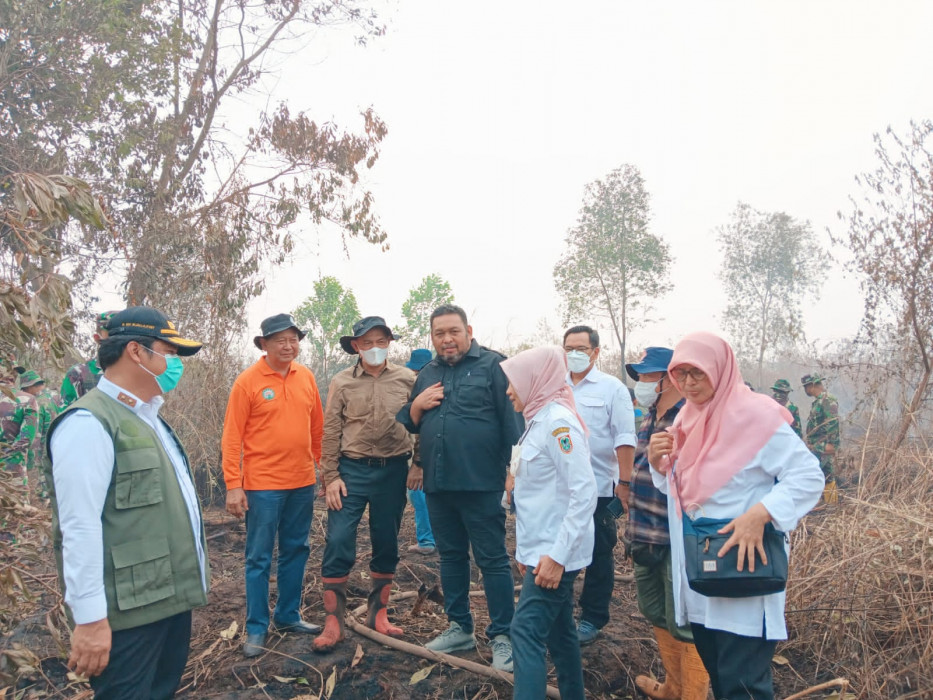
779	392
822	436
19	419
49	407
83	377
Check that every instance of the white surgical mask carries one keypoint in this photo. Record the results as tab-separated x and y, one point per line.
374	356
577	361
645	393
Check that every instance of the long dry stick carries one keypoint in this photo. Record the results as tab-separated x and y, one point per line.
436	656
841	682
425	653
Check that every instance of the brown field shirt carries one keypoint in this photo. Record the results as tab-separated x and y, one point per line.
359	420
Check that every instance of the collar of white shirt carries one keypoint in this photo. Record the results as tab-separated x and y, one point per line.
135	404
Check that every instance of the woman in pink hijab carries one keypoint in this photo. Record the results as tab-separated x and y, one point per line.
555	496
731	454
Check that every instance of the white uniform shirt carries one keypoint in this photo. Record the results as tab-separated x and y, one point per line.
605	405
555	492
799	485
82	469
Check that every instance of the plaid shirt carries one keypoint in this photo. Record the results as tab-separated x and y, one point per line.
647	520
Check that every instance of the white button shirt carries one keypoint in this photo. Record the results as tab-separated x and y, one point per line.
605	405
82	469
555	491
799	484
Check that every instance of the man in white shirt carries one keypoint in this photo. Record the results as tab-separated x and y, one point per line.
128	536
605	405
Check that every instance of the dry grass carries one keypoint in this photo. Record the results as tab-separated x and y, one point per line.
860	604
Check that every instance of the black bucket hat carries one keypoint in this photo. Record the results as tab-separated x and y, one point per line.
275	324
362	327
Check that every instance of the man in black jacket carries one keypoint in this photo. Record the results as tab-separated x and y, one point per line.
467	427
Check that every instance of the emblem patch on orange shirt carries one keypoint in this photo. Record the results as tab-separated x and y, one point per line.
268	394
566	444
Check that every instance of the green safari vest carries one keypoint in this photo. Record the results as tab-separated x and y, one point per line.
151	568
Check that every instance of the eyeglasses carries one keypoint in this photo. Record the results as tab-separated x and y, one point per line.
681	374
581	348
367	344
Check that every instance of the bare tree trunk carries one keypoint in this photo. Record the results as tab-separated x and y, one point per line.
907	418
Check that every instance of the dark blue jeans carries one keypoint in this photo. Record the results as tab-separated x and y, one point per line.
544	622
600	575
382	488
465	519
422	520
286	513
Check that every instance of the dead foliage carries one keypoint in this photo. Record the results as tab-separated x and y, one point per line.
860	603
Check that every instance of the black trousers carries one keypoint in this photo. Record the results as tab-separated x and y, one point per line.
739	667
600	576
146	662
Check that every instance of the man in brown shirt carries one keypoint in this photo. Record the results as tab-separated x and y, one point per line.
365	463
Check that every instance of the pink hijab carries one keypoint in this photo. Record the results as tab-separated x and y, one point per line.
714	441
539	376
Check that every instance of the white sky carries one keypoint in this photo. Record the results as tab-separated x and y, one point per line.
500	112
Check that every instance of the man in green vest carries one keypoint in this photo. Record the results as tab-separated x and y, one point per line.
128	536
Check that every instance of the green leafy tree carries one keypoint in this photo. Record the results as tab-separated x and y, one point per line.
890	239
135	96
326	316
422	300
614	267
771	264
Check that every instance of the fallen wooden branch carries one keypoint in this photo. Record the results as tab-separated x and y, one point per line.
841	682
424	653
436	656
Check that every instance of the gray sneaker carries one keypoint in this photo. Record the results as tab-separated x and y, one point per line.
587	632
454	638
501	653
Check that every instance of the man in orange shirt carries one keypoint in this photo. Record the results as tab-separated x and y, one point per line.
271	444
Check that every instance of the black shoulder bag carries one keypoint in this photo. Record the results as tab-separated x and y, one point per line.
715	576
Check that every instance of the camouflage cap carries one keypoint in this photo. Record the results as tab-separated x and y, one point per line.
103	318
30	378
781	385
812	378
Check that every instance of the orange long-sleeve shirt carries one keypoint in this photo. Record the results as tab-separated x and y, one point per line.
272	429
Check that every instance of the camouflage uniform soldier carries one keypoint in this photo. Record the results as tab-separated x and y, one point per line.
822	435
83	377
779	392
19	419
31	383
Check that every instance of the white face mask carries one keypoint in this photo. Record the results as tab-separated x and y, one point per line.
645	393
374	356
577	361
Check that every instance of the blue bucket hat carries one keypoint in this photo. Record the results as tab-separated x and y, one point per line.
419	358
652	360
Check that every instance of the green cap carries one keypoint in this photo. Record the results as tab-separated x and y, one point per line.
782	385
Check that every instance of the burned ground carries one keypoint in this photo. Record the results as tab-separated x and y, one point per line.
359	667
